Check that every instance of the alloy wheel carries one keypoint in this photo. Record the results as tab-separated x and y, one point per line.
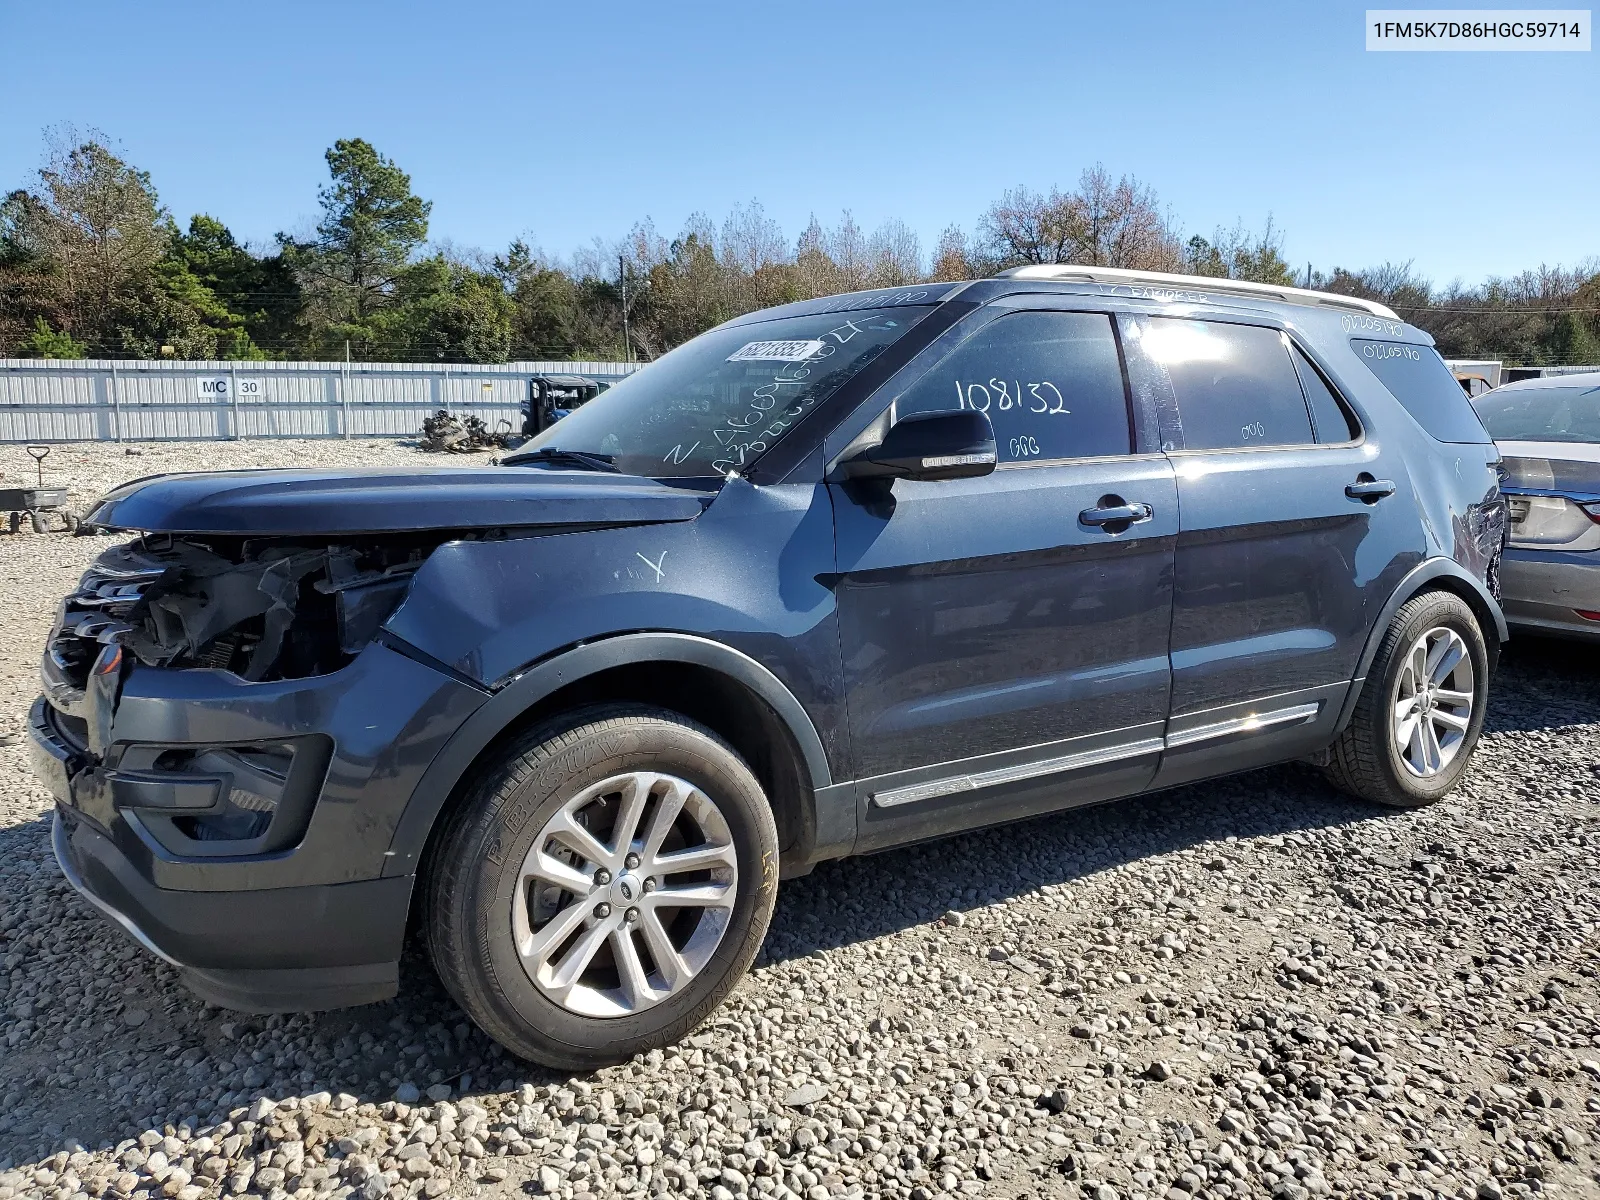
625	894
1432	702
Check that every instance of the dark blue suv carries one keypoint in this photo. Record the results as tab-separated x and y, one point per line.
832	577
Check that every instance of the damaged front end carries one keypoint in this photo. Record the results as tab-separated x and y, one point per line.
262	609
191	683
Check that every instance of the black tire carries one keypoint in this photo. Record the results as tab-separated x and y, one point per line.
472	872
1366	760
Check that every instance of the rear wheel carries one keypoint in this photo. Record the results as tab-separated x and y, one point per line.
603	886
1421	708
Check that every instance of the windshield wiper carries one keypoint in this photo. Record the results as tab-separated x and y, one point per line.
573	458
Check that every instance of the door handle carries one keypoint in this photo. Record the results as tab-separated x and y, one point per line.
1116	514
1368	489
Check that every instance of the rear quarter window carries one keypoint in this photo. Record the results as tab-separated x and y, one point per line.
1417	377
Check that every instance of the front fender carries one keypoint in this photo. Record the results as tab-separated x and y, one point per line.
750	568
740	589
832	824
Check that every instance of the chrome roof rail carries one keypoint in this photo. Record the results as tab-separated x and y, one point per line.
1162	280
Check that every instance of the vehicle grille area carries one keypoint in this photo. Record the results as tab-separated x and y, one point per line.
104	609
263	609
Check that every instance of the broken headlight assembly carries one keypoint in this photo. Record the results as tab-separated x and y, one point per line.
262	609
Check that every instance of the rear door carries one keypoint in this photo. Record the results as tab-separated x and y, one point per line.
1004	646
1277	574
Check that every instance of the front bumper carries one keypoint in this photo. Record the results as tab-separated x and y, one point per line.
309	924
283	950
1544	588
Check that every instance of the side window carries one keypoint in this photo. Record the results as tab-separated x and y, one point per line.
1327	414
1234	384
1417	377
1051	383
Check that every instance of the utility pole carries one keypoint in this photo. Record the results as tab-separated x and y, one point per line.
1308	275
622	280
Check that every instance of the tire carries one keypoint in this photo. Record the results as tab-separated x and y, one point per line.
479	907
1369	759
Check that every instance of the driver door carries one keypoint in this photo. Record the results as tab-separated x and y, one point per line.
1004	644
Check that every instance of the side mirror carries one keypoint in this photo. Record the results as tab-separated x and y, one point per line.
956	444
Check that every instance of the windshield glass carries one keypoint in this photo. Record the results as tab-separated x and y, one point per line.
718	402
1547	414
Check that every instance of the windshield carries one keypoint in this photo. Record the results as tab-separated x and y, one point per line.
720	401
1547	414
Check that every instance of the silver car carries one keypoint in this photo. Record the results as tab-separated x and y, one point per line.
1548	431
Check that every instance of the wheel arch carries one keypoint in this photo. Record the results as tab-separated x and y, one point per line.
1438	575
708	681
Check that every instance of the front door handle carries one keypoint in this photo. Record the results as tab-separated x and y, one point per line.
1115	514
1368	489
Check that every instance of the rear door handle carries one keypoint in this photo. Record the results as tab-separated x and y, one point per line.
1369	489
1116	514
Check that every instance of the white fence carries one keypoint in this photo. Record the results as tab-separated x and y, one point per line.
73	400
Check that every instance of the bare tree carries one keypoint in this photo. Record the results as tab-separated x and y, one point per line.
1120	224
1030	227
896	254
751	239
815	272
852	261
951	260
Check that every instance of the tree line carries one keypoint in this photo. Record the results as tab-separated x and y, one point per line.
93	265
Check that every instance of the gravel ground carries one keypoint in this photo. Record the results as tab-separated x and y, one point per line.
1250	987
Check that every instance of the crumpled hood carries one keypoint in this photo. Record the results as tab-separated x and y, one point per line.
387	500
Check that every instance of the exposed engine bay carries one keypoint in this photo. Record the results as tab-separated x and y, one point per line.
262	608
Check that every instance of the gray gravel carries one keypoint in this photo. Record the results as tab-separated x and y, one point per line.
1250	987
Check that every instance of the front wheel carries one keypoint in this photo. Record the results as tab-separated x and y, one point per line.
602	887
1421	708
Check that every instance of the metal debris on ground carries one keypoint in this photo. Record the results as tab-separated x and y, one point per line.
461	435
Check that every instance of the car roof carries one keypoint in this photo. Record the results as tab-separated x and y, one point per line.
1582	380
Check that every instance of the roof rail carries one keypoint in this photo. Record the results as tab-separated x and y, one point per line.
1074	272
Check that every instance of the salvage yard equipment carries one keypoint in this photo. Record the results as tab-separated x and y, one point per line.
551	397
34	502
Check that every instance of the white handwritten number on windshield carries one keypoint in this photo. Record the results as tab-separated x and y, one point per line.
746	434
1043	397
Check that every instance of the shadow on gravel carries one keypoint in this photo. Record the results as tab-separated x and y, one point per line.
857	899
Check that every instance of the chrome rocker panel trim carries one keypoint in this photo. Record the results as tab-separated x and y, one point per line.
975	781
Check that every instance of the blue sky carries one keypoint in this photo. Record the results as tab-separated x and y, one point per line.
562	122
